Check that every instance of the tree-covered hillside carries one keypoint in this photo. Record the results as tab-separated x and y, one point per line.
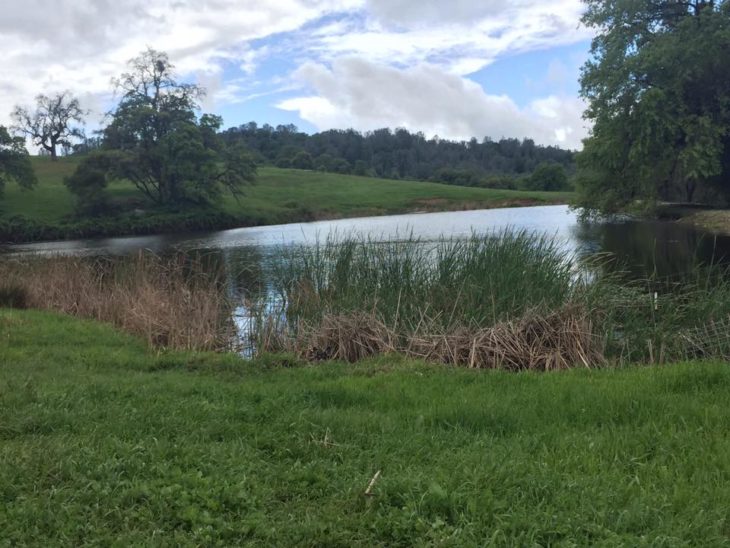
397	154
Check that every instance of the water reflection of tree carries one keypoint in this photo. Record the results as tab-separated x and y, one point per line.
645	249
242	269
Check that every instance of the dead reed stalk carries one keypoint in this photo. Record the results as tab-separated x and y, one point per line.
170	302
346	337
558	340
544	342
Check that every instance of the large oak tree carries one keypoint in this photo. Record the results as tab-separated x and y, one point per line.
658	89
156	141
51	124
14	162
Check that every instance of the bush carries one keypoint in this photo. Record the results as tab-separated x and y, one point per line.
548	176
13	296
89	184
361	168
340	165
302	160
501	182
461	177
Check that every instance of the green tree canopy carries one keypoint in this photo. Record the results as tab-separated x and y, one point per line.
302	160
658	89
387	153
547	176
14	161
156	141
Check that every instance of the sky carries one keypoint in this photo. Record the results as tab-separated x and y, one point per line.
453	68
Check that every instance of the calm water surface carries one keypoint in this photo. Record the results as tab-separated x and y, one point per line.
641	247
250	255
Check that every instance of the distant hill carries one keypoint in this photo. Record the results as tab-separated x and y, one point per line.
277	196
399	154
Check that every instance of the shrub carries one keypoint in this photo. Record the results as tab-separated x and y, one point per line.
302	160
13	296
548	176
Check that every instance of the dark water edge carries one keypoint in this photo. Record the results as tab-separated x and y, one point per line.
250	258
660	249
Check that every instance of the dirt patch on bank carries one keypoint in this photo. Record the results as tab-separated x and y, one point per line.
423	205
716	221
431	205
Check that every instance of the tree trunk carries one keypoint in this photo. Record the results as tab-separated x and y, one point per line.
690	187
52	150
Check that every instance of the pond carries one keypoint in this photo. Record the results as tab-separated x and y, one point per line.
642	248
664	250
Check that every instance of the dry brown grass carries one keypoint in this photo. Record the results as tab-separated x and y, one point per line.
348	338
716	221
169	302
543	342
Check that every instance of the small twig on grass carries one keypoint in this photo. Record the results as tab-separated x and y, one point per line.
369	490
326	442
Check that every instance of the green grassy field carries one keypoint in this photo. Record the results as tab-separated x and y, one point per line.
282	195
107	443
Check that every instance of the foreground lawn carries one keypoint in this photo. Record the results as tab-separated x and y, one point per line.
105	441
282	195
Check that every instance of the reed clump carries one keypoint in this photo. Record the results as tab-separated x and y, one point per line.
536	341
350	337
511	300
544	342
171	302
477	280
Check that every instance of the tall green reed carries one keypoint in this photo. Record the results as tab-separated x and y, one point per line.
484	280
478	280
660	319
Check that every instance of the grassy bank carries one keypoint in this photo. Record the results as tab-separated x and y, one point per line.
715	221
279	196
511	300
105	442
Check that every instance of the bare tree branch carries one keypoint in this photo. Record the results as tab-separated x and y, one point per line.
50	125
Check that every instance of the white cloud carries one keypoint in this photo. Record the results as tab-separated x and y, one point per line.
462	35
409	13
51	45
405	63
361	94
368	63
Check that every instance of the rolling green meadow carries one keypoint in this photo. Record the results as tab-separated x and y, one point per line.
106	442
560	382
118	436
278	196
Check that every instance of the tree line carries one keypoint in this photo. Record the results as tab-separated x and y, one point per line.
657	85
401	154
658	89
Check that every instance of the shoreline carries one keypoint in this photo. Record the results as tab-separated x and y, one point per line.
713	221
217	220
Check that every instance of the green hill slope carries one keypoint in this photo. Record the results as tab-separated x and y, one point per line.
279	196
